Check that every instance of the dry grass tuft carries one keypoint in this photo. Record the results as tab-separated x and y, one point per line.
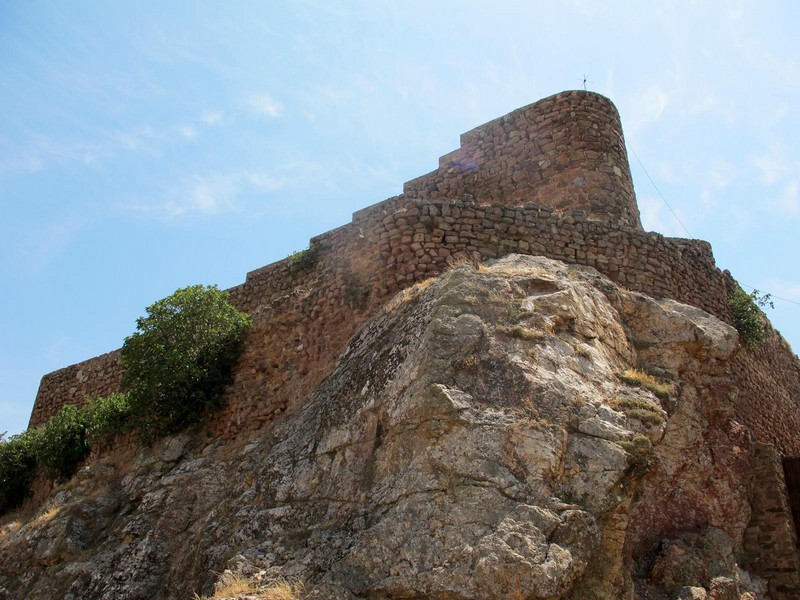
662	390
641	410
46	517
460	260
522	333
8	529
409	293
237	587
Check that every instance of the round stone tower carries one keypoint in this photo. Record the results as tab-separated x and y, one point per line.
566	151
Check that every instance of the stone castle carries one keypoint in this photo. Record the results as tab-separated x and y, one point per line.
550	179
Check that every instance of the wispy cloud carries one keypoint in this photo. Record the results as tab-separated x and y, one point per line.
41	151
718	177
657	217
218	193
645	108
789	200
138	138
264	104
24	163
188	131
211	117
773	164
44	245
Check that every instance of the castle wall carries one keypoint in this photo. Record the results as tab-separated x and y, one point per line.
769	540
549	179
514	179
99	376
566	151
302	320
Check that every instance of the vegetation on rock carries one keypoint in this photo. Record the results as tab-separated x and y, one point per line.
639	379
17	467
63	445
303	260
236	586
747	316
179	361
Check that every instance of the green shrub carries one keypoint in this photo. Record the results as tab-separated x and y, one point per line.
17	467
641	453
62	444
648	417
106	417
59	446
748	318
641	410
303	260
179	361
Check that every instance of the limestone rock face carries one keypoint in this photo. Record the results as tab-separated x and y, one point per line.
476	441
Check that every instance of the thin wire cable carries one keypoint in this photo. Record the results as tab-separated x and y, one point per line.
770	295
689	234
659	193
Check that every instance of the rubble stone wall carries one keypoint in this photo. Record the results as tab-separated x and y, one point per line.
566	151
550	179
769	541
302	319
525	171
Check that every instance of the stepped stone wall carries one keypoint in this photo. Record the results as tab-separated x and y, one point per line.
549	179
509	186
302	320
566	152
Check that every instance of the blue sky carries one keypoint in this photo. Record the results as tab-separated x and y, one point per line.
148	146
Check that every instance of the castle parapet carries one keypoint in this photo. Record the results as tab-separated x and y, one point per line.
566	151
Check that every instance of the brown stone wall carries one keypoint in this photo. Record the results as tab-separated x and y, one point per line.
523	172
302	320
566	151
767	393
769	540
97	376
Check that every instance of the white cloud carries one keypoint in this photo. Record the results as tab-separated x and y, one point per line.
717	178
772	165
188	131
264	104
657	217
138	138
217	193
211	118
25	163
789	200
666	172
47	243
646	108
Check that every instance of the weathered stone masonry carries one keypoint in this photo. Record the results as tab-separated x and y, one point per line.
302	320
566	152
549	179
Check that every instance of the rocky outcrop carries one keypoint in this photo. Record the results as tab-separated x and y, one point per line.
479	438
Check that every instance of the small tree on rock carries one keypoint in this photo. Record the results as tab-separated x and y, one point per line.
180	358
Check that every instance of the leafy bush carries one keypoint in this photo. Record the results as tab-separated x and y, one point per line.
106	417
748	318
180	359
17	467
59	446
62	443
